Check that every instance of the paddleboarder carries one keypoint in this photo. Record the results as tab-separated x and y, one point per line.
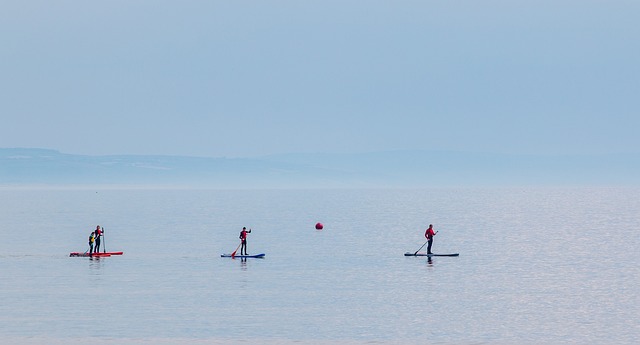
91	240
243	238
98	235
429	235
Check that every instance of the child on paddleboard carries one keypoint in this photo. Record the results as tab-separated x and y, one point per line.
91	240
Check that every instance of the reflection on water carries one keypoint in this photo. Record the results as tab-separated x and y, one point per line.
96	262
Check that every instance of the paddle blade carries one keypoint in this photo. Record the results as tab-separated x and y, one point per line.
234	252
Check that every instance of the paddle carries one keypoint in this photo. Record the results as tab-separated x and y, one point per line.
420	248
104	246
234	252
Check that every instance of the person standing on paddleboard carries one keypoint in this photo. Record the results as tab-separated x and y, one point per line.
98	235
91	240
429	235
243	238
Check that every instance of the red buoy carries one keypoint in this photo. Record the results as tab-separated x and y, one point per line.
319	226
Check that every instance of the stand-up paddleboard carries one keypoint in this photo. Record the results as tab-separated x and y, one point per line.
429	255
242	256
107	254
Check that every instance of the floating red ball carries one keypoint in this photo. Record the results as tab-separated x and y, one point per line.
319	226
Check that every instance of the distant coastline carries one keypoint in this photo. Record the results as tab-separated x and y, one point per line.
392	169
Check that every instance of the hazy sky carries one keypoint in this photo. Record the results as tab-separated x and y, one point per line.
247	78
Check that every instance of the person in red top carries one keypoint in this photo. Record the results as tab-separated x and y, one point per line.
429	235
98	234
243	238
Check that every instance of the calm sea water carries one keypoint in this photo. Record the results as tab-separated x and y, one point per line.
551	266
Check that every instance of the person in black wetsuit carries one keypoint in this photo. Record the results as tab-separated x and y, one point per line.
98	233
243	238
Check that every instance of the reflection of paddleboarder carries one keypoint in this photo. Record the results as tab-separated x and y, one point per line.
243	238
429	235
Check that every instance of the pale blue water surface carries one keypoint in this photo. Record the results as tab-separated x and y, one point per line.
536	265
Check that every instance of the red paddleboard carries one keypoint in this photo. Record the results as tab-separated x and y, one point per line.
107	254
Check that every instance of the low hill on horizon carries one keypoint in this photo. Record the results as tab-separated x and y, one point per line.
26	166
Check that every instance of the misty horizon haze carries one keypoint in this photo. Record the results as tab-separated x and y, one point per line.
231	79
